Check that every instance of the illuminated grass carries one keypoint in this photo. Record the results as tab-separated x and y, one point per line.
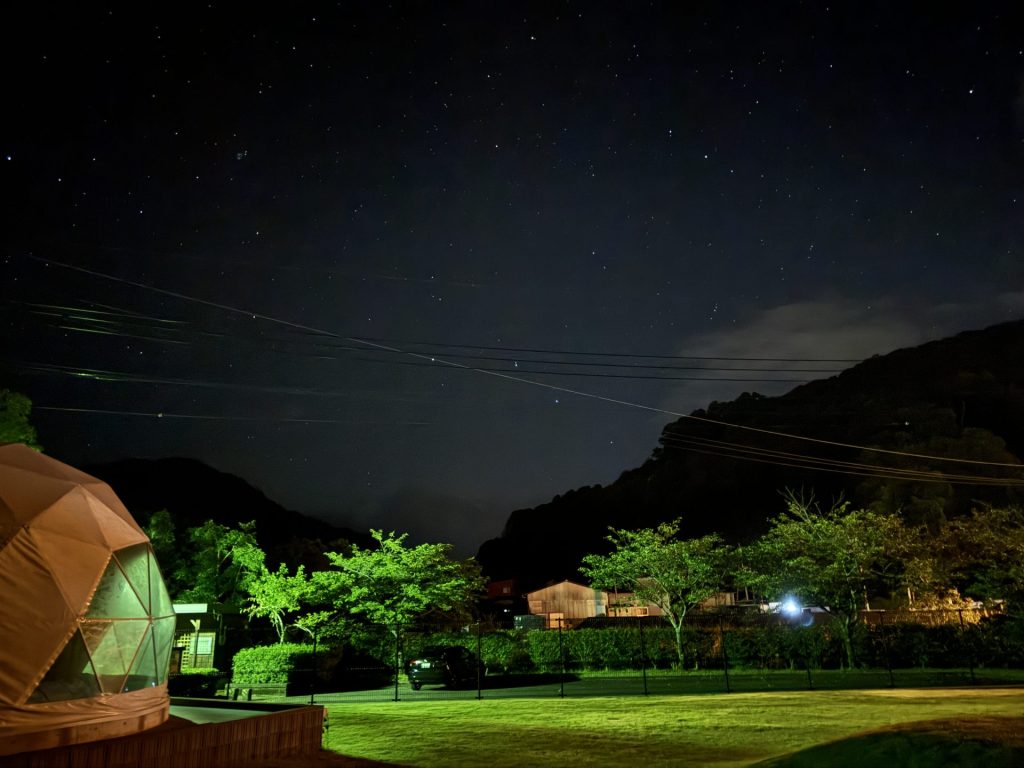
714	730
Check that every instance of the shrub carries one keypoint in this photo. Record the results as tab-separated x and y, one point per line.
506	651
271	664
545	653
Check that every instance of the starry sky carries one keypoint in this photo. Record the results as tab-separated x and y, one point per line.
416	265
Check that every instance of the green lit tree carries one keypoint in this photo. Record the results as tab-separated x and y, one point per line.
661	569
221	564
394	584
278	596
825	558
14	424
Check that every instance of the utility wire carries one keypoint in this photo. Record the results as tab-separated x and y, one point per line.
216	417
835	470
510	377
742	451
109	327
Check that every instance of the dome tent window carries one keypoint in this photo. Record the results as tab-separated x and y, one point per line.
124	640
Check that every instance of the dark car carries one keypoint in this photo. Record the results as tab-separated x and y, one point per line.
441	665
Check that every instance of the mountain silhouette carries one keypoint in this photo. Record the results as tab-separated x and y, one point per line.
723	469
193	492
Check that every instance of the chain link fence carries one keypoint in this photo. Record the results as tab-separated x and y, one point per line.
714	652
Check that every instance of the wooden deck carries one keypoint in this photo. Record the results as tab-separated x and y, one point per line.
285	731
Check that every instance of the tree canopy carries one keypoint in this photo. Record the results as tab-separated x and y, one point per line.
14	424
394	584
826	558
659	568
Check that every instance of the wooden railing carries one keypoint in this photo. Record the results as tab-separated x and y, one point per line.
288	732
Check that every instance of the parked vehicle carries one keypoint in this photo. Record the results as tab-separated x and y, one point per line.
450	665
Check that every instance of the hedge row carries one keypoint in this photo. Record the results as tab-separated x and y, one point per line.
993	643
270	664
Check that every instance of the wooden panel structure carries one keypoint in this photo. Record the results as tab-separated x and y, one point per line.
182	744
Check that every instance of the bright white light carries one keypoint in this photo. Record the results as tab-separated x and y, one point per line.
791	607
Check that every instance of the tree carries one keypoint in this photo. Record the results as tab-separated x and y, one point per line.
825	558
163	537
221	563
982	555
661	569
275	595
394	584
14	424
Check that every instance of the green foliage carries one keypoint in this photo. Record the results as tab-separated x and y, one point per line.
505	651
14	424
983	555
220	564
270	664
545	650
613	648
825	558
997	642
275	595
660	569
163	536
394	584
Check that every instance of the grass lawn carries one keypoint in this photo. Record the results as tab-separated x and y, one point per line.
962	727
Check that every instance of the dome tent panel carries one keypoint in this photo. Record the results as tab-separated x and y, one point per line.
75	576
162	604
105	495
25	493
134	562
145	671
163	640
9	524
34	617
113	645
20	456
71	517
115	598
71	676
116	531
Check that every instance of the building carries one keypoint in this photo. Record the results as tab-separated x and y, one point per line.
567	603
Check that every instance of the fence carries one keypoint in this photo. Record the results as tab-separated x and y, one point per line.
717	652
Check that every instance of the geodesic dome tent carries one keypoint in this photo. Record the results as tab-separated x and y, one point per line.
86	624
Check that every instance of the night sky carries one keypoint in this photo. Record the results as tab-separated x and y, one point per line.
279	241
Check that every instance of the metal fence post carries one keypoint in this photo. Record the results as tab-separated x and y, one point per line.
312	679
398	655
725	655
561	657
643	653
479	663
888	650
970	647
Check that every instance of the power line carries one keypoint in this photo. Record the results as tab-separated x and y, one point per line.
216	417
509	377
443	347
785	458
620	354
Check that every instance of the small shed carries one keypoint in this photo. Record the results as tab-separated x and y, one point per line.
567	603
